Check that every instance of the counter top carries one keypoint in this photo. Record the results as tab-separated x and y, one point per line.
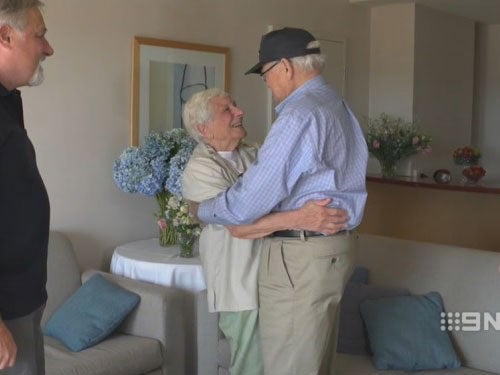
428	182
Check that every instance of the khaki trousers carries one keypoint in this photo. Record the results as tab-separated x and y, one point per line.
301	282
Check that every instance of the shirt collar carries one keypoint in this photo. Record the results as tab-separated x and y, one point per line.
312	83
5	92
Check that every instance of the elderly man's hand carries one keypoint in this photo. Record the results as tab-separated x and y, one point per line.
315	216
8	348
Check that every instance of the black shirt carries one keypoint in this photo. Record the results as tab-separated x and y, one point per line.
24	215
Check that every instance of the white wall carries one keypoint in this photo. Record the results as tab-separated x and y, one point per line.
436	83
443	86
423	73
486	133
79	118
392	46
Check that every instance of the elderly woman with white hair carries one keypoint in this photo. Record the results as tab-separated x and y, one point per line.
230	263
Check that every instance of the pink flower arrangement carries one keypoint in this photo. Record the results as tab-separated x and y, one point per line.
390	138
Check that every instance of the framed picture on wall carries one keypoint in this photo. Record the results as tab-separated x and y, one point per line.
165	74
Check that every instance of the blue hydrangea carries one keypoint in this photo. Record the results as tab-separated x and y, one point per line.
147	169
130	169
177	165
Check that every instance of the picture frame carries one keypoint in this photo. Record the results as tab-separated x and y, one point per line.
165	73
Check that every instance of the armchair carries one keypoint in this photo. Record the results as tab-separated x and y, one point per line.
149	341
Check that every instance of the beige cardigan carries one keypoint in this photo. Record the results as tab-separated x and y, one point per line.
230	264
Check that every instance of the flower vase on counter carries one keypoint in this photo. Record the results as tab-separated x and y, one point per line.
388	168
392	139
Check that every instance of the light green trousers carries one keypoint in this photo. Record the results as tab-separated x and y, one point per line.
241	329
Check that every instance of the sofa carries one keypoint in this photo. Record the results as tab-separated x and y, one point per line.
467	279
149	341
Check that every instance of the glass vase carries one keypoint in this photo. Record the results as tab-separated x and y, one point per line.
388	168
166	235
186	243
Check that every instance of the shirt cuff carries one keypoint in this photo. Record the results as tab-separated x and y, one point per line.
206	211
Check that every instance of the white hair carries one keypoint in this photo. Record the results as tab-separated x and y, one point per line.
15	12
199	110
311	62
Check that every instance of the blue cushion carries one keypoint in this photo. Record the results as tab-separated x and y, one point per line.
405	333
352	337
360	275
91	313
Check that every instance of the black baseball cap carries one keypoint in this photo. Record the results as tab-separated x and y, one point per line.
283	44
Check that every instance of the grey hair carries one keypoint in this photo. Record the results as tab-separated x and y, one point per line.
198	110
15	12
310	62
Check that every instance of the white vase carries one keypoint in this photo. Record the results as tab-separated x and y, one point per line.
407	167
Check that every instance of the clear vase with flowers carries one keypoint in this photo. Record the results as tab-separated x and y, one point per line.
391	139
154	169
186	226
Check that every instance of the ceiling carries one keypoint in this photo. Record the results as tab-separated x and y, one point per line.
483	11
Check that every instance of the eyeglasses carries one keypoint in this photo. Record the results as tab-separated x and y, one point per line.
268	69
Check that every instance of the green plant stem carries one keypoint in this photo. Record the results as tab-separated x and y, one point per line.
167	236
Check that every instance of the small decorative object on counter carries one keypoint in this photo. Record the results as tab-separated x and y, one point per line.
467	156
473	174
391	139
442	176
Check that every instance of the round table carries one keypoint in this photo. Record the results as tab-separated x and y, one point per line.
146	260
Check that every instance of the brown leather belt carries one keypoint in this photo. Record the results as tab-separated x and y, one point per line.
306	233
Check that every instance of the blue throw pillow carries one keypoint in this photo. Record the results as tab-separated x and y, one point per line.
91	313
360	275
352	337
405	333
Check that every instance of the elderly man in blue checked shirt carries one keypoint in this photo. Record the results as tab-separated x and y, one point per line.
315	149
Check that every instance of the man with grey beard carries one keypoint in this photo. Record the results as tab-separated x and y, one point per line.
24	203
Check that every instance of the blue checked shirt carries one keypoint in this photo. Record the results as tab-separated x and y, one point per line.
314	150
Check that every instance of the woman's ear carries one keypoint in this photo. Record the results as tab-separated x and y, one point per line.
202	129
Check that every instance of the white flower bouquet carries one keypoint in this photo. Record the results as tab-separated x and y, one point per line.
185	224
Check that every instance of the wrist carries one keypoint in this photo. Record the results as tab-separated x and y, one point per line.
295	222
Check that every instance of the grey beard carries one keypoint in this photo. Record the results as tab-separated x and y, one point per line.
37	78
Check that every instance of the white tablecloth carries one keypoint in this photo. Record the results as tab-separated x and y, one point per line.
146	260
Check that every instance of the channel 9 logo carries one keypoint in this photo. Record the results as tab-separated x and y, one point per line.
470	321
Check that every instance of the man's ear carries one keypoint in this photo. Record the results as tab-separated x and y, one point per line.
288	68
5	36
